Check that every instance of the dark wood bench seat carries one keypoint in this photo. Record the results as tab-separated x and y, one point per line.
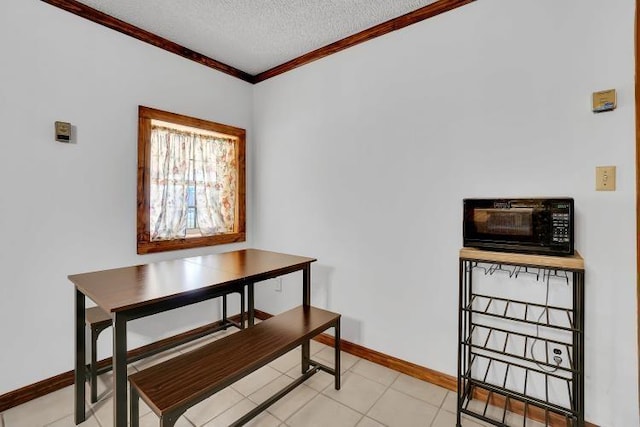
172	387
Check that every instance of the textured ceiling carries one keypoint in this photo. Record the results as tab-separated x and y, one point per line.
255	35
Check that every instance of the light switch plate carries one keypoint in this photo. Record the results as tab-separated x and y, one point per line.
605	178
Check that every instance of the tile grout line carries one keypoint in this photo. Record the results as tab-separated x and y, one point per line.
282	374
264	411
440	408
389	386
364	415
300	408
417	398
93	415
320	393
191	423
434	418
378	399
48	423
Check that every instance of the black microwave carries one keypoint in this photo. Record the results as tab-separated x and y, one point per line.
537	225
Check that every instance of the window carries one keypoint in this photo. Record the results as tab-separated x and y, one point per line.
191	182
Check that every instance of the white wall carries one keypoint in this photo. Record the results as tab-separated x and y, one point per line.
68	209
363	159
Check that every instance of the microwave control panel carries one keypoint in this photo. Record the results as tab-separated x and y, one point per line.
560	227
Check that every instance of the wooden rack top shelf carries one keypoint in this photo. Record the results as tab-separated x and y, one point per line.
572	262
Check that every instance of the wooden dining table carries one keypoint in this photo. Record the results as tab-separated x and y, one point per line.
130	293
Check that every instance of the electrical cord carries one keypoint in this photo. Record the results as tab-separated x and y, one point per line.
556	359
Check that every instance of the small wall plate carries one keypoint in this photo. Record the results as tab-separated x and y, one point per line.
63	131
604	101
605	178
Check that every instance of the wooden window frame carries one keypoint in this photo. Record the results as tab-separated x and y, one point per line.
145	244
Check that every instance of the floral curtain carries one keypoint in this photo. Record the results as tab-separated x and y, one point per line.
215	177
182	159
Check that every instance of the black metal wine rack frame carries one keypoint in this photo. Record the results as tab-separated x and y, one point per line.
477	358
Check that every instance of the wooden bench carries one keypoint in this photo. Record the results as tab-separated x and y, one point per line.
172	387
97	320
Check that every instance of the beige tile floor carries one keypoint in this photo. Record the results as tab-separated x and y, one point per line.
371	396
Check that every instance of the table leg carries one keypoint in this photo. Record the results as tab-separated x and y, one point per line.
120	370
250	303
80	369
336	365
306	301
306	285
224	311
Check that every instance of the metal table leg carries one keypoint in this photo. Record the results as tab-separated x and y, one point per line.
120	370
250	302
80	373
306	301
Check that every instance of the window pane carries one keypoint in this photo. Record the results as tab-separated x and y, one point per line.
191	196
191	217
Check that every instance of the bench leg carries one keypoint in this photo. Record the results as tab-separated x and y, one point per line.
306	350
251	306
241	292
134	405
93	369
336	346
224	310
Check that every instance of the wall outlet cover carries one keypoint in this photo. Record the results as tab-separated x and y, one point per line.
605	178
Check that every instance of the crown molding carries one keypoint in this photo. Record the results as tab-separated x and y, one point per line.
109	21
405	20
400	22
